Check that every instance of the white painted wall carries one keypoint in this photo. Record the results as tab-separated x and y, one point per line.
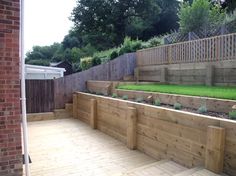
41	72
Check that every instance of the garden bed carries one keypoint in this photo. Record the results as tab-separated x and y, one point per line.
201	105
197	104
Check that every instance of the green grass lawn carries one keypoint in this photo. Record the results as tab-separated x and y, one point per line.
223	92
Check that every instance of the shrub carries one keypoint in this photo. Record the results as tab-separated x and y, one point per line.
114	54
86	63
155	41
232	115
114	95
139	100
202	109
157	103
230	21
177	106
96	60
125	97
76	67
104	60
38	62
130	46
200	15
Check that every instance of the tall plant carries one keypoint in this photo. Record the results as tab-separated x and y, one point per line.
200	15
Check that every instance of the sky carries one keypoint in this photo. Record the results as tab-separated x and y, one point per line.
46	21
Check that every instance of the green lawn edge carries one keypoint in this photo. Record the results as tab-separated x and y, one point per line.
221	92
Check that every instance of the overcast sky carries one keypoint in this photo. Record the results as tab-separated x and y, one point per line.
46	21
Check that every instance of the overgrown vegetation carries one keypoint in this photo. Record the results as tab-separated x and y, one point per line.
223	92
232	115
114	95
201	15
125	97
177	106
202	109
139	99
157	102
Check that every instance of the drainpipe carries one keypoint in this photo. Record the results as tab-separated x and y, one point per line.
23	99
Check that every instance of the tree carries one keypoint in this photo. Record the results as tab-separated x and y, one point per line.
42	52
112	20
72	40
230	5
202	15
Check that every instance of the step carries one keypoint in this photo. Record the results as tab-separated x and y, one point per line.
189	171
205	172
61	114
160	168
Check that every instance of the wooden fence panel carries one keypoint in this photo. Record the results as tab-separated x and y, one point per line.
203	50
39	96
113	70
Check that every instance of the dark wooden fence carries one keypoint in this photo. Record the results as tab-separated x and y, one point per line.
113	70
39	96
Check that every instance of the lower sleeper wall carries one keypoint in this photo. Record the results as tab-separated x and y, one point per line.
162	133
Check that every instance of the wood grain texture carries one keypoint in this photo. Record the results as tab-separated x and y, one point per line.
215	149
202	50
164	133
39	96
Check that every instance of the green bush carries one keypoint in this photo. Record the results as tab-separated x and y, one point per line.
125	97
96	61
139	100
155	41
38	62
200	15
114	54
114	95
177	106
230	21
86	63
130	46
232	115
202	109
157	103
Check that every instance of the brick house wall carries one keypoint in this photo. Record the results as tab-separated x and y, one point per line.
10	119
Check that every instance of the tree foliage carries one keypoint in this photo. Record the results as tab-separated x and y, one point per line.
200	15
104	24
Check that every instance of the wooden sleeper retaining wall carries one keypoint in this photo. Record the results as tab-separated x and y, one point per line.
163	133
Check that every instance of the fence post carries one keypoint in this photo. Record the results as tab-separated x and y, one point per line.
136	74
214	158
93	115
163	75
131	128
75	105
209	75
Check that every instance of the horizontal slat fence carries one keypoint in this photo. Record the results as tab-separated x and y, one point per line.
39	96
114	70
204	50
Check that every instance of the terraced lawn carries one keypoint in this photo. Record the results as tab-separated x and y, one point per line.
222	92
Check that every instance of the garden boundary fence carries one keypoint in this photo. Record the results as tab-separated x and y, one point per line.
39	96
113	70
203	50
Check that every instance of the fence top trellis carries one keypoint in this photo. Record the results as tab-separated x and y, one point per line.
203	39
221	47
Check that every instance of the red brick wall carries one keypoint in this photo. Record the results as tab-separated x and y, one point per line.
10	129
